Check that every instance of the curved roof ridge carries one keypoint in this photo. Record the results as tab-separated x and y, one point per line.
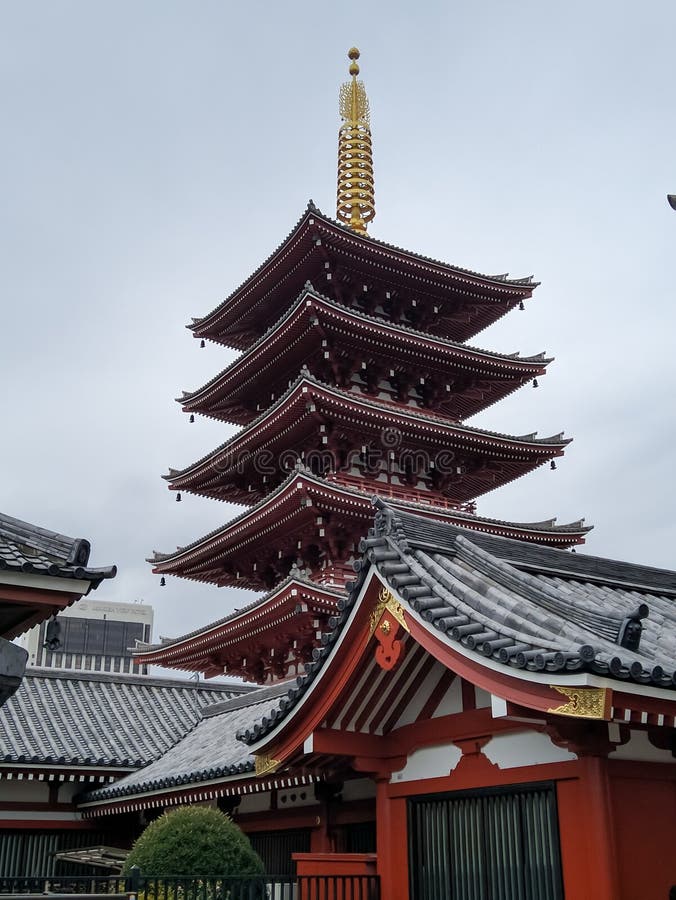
532	588
159	557
567	629
469	596
36	537
534	557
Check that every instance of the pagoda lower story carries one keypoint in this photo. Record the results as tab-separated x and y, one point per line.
356	390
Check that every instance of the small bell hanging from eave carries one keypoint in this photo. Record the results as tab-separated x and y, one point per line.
535	383
521	306
192	418
178	498
552	465
202	344
163	581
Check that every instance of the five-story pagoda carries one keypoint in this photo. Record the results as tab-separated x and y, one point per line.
355	379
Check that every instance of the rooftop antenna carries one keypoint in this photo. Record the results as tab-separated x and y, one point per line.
356	192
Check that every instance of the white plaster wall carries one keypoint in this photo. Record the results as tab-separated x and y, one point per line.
524	748
429	762
451	702
481	697
639	748
24	791
423	691
251	803
22	815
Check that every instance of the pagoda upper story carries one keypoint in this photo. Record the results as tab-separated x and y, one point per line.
368	276
362	352
355	379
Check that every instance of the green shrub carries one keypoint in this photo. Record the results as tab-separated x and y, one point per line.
195	841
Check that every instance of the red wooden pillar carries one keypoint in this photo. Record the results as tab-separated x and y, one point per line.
587	834
391	842
602	832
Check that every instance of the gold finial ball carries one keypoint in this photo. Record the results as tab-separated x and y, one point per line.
353	53
354	69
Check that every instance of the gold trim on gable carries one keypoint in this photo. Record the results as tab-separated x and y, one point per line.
266	764
583	702
387	601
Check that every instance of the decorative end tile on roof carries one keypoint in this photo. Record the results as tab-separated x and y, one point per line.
31	549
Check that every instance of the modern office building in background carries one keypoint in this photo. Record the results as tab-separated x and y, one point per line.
94	636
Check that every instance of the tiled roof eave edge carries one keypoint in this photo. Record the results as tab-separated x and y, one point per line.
306	475
158	787
242	614
199	325
604	660
520	362
441	267
574	665
553	442
70	573
262	732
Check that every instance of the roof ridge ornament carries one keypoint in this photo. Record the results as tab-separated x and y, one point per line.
356	191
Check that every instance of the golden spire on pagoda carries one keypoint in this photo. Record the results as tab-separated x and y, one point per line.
356	193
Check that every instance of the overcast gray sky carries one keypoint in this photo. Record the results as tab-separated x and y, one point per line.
154	153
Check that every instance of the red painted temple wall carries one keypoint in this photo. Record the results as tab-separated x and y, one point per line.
617	824
644	815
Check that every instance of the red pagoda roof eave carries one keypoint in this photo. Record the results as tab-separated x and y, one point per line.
305	385
518	288
262	609
530	366
247	521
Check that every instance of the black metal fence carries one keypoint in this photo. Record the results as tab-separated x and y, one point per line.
255	887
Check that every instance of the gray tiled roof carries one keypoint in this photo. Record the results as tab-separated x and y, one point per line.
30	549
526	607
210	751
74	718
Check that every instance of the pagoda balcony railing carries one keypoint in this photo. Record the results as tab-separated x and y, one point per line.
399	492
